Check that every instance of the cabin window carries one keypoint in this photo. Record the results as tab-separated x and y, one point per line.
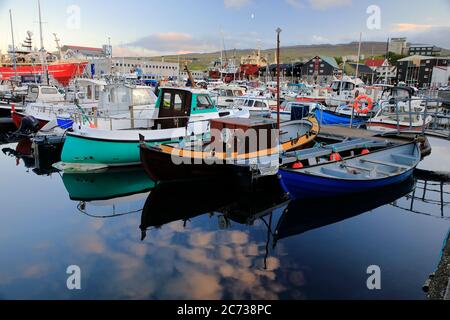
249	103
229	93
259	104
204	102
49	91
143	97
167	100
178	103
89	92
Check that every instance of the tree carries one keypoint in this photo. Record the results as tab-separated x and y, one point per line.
339	60
393	57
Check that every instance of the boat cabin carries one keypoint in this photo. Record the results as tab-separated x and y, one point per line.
176	105
44	94
89	90
397	94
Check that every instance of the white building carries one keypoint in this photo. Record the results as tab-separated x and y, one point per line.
398	46
155	70
197	75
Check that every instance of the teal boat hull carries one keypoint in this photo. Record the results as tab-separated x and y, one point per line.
88	151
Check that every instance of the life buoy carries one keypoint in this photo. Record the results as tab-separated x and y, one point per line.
358	107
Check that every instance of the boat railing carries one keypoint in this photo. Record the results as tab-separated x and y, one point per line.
427	194
430	117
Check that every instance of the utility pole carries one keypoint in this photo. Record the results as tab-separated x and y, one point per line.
278	77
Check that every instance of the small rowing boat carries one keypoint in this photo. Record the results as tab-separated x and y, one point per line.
362	170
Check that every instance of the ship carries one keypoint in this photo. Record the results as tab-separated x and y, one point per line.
30	62
251	64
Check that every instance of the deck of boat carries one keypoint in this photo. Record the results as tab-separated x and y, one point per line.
340	132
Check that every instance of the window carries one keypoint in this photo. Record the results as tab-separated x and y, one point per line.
49	91
249	103
167	100
259	104
178	103
204	102
142	97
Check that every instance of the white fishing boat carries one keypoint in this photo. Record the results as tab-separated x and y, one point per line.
344	90
226	95
399	111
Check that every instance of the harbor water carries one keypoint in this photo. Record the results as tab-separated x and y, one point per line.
133	239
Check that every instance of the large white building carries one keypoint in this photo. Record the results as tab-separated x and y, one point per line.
398	46
154	70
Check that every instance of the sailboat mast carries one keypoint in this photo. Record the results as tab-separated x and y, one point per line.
13	44
42	50
359	55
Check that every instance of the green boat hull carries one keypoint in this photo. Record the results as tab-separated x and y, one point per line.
85	151
107	185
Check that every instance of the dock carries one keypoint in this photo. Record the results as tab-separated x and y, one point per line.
438	285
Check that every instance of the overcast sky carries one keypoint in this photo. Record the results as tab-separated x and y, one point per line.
179	26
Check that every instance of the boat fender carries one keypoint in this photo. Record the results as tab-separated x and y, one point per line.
297	165
335	156
358	107
365	151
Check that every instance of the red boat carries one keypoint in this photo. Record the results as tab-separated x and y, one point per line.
62	72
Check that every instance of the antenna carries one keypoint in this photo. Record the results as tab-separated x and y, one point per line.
58	46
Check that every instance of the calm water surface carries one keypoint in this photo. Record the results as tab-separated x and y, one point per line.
211	239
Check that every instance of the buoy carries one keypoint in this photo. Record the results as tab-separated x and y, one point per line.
92	126
297	165
365	151
335	157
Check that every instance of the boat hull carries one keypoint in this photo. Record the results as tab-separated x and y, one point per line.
301	185
61	72
84	151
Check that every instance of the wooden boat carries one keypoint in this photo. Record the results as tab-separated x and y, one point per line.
230	148
351	174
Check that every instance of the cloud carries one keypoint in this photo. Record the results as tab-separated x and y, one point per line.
326	4
166	43
295	3
236	4
319	39
412	27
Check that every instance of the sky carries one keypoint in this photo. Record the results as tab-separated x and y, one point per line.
156	27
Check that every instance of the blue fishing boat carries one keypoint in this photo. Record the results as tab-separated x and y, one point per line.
352	174
328	117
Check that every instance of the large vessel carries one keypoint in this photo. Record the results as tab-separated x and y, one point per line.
251	64
32	62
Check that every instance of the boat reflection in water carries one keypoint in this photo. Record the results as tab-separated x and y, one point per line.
308	214
221	197
38	157
116	191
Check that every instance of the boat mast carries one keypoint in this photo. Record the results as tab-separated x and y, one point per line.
42	50
278	77
359	56
13	44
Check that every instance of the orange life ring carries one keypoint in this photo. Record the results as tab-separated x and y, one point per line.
357	107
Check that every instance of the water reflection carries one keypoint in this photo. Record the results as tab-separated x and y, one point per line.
210	239
113	190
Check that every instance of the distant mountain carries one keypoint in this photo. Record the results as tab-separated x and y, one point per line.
200	61
288	53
